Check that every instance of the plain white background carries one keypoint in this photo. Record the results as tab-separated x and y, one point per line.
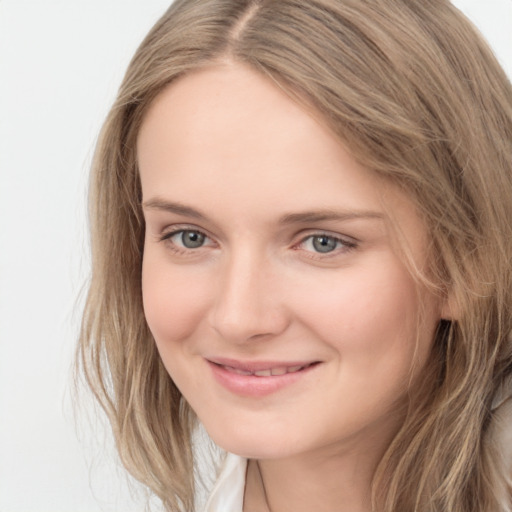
60	65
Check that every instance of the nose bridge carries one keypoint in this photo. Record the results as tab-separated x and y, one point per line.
248	304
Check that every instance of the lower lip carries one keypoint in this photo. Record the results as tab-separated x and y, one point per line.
251	385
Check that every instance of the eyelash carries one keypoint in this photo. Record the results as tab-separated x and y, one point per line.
167	237
347	245
342	245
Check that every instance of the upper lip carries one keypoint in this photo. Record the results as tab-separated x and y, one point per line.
255	366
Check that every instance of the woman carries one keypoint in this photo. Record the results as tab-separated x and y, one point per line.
301	238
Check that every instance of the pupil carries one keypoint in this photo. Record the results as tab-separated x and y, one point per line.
192	239
324	243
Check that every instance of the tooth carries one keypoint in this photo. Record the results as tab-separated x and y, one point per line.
263	373
237	370
279	370
243	372
293	369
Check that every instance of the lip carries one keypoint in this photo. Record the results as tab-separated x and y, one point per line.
258	378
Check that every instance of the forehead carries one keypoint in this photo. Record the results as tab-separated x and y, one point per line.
224	108
228	123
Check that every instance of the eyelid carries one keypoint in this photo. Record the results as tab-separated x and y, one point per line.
168	231
308	233
171	231
348	243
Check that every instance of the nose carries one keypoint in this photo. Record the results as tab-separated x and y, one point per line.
249	303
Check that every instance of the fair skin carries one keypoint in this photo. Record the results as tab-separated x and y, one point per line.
269	249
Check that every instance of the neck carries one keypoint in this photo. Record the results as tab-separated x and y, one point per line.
302	486
331	479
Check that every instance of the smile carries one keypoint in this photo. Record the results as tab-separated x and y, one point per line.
258	379
267	372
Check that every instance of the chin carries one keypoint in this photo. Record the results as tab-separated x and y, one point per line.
253	443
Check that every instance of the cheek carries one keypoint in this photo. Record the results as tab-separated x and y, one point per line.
174	300
371	315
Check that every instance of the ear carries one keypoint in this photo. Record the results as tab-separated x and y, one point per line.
450	309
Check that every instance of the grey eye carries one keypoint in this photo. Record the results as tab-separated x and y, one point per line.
192	239
324	243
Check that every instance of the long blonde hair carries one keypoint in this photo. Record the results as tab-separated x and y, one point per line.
419	98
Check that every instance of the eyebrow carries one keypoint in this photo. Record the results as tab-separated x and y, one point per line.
328	215
172	207
290	218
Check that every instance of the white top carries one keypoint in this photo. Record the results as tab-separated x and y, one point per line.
227	494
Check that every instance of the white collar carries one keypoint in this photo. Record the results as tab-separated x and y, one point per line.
228	492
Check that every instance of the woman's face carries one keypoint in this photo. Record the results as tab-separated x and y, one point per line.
271	278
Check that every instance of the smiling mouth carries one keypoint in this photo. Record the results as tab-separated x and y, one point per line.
256	379
267	372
